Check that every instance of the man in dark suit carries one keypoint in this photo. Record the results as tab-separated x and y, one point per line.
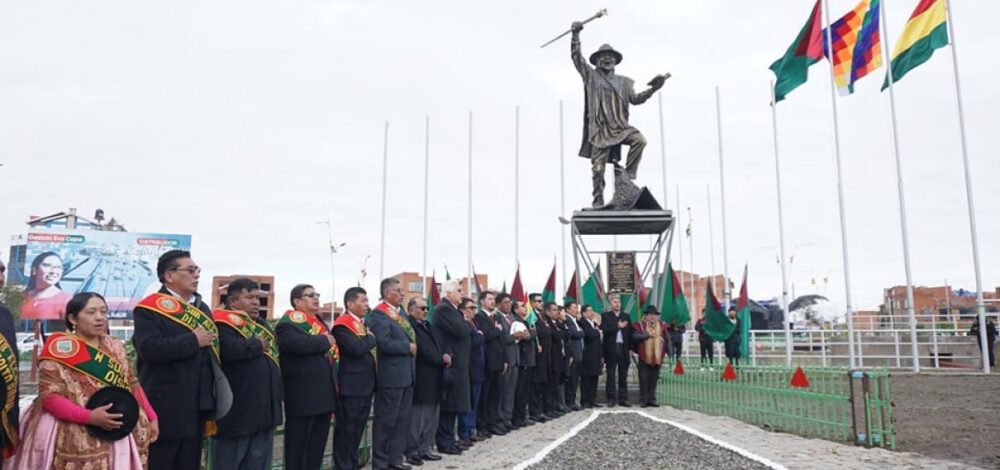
307	370
431	362
557	366
12	417
487	417
540	407
527	353
574	353
733	341
176	344
248	349
504	319
590	370
355	377
617	327
455	333
396	346
477	375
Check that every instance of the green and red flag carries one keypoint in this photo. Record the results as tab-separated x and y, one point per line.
549	292
572	293
717	324
743	314
673	306
925	31
517	293
792	70
592	290
433	297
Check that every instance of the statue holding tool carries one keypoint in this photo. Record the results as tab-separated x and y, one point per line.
607	97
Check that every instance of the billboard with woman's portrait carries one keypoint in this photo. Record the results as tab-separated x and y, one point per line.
121	266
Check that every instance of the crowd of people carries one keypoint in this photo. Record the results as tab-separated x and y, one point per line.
435	380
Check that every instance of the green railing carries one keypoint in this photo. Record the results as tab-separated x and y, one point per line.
278	461
838	404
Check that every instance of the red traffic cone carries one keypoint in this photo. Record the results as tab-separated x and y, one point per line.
679	369
730	373
799	379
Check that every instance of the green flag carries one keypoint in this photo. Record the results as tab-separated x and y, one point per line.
792	69
549	292
717	324
591	290
673	306
743	314
633	312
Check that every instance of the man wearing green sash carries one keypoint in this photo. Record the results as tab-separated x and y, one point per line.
176	342
250	362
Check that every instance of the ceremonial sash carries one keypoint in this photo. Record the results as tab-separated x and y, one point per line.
357	327
248	328
403	322
183	313
9	372
71	351
311	325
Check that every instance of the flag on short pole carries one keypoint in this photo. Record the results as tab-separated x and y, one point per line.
792	69
571	291
925	31
433	298
717	324
743	314
592	288
730	373
673	306
549	292
799	379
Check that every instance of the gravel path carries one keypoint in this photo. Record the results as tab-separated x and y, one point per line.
646	443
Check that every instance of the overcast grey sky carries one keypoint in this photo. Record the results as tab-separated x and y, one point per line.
245	122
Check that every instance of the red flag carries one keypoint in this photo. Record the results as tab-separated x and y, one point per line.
643	291
435	293
549	292
517	290
475	279
571	291
678	369
799	379
744	298
730	373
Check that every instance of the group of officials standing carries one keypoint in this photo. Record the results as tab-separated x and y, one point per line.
438	380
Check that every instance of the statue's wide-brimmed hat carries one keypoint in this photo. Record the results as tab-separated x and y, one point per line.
606	49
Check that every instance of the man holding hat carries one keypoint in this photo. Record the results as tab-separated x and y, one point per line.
606	101
649	338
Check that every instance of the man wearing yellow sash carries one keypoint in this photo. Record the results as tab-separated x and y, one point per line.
177	348
649	338
308	371
397	346
250	361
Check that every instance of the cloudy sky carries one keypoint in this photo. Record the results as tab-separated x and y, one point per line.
245	122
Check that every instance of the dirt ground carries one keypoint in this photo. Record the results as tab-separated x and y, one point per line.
948	416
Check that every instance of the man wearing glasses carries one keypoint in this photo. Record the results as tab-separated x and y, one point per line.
306	352
431	361
396	345
177	345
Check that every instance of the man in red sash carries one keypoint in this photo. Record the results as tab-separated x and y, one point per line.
649	338
250	361
307	369
177	346
356	378
396	345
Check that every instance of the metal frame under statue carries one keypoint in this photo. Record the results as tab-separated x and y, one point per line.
607	97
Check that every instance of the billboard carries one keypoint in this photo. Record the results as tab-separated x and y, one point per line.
121	266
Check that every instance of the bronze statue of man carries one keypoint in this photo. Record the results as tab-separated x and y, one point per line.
605	119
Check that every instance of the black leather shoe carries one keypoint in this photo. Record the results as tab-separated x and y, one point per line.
576	407
480	437
624	403
430	457
450	450
654	405
400	466
496	430
414	460
466	443
610	404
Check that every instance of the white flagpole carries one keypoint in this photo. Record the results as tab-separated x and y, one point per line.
517	185
427	169
385	173
726	291
840	197
711	232
911	316
691	248
680	246
562	194
781	235
472	281
980	306
663	149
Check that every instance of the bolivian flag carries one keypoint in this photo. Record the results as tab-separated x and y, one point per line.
926	31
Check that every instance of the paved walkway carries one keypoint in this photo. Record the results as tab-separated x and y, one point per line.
789	451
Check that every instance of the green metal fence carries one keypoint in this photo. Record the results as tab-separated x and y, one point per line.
839	404
364	452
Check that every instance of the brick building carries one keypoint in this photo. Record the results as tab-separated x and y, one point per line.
221	283
939	303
